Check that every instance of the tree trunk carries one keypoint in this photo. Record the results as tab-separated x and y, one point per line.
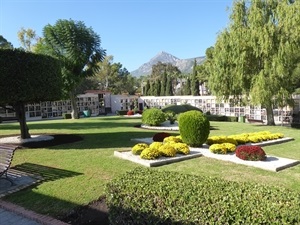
74	112
270	115
20	114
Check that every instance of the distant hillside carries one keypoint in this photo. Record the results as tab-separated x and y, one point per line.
184	65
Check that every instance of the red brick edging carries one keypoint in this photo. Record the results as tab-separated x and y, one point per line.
46	220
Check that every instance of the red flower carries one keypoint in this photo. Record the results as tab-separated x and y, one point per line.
249	152
159	137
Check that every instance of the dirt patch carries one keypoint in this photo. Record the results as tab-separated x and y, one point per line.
93	214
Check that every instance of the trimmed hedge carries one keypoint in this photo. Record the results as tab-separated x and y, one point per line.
194	128
67	116
148	196
153	117
222	118
121	112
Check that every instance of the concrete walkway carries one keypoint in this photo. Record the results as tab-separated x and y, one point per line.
11	214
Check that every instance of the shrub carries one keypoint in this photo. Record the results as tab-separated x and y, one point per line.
167	150
147	196
153	117
1	119
181	148
160	136
121	112
67	115
130	113
172	139
251	153
194	128
150	153
223	148
177	109
171	116
155	145
138	148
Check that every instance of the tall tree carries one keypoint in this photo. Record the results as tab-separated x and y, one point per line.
163	85
254	58
187	87
169	88
78	48
195	81
35	78
4	44
27	38
147	88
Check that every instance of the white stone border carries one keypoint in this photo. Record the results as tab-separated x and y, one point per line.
272	163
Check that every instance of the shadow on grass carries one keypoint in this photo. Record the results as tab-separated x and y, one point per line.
70	212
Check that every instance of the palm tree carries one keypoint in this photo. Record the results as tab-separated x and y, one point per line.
78	48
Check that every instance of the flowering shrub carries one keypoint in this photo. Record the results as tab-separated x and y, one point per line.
150	153
159	137
249	152
243	138
167	150
223	148
130	113
181	148
138	148
172	139
155	144
220	139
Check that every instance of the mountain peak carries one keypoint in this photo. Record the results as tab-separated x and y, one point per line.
184	65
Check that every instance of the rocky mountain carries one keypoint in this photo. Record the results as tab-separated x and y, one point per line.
184	65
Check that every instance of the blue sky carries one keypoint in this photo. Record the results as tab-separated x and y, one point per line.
133	31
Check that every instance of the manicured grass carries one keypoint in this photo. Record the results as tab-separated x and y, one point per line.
76	174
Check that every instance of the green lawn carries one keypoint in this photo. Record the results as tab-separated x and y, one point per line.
76	174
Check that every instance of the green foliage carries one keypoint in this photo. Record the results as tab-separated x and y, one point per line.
165	197
27	77
78	49
4	44
1	119
153	117
194	128
121	112
256	55
179	108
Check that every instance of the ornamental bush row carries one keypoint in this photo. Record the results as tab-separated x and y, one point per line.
147	196
238	139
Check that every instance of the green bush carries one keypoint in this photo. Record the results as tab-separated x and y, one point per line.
194	128
121	112
153	117
180	108
1	119
67	115
147	196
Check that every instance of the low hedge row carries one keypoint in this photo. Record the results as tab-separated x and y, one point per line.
222	118
148	196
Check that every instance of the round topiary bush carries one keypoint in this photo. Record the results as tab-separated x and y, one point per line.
251	153
159	137
194	128
153	117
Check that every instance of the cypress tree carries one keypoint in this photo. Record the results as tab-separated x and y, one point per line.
195	81
163	86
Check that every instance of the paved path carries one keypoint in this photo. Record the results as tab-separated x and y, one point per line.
11	214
